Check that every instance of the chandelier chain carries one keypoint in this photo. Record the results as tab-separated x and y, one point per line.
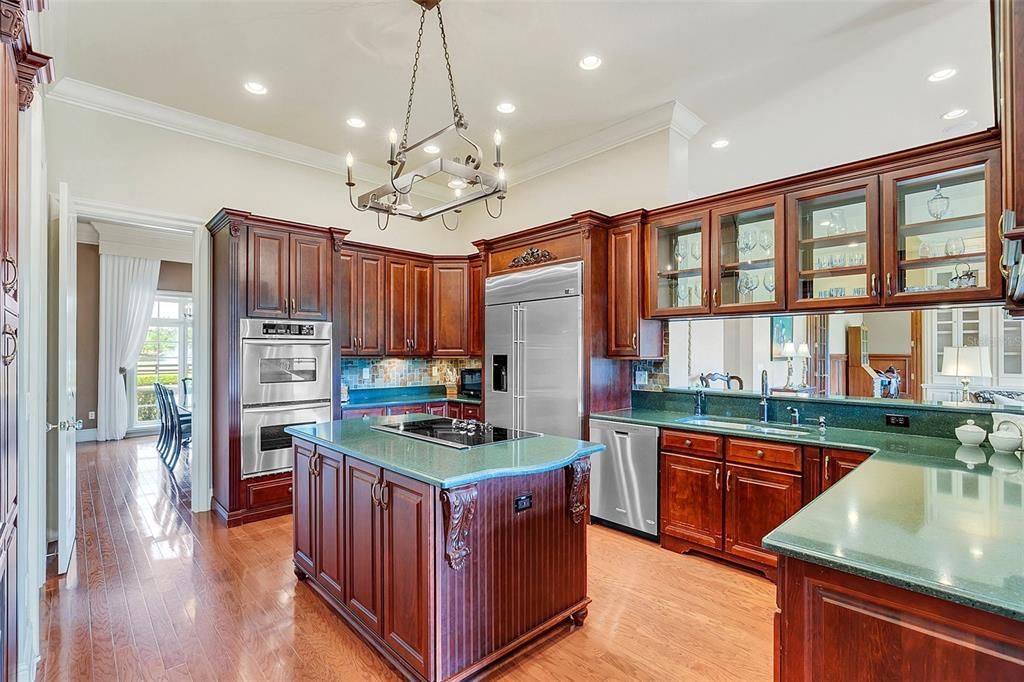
456	112
412	82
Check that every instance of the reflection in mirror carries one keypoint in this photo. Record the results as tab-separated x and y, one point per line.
965	356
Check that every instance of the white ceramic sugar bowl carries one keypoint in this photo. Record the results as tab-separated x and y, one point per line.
970	433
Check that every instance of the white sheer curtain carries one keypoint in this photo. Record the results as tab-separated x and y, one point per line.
127	291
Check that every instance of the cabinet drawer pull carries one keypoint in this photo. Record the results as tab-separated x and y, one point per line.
12	334
760	453
704	299
634	341
689	443
10	284
718	479
874	285
827	458
385	495
728	481
293	305
289	490
714	298
375	493
888	284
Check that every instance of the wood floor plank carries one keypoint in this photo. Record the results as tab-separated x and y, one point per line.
156	593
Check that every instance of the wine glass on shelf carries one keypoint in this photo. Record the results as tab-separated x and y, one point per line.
696	251
679	254
746	242
766	241
768	280
954	246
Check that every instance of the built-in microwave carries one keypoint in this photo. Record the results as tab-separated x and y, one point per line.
469	382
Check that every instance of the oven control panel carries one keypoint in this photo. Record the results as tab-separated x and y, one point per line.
287	329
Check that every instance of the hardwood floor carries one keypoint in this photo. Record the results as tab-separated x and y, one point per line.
156	593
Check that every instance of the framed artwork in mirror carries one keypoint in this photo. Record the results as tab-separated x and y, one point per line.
782	333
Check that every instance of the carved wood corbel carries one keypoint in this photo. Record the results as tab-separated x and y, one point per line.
458	506
578	476
12	21
33	68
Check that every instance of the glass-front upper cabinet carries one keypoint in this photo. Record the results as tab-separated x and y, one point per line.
747	256
940	230
833	245
678	252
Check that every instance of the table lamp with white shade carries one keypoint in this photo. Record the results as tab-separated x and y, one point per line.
966	362
790	351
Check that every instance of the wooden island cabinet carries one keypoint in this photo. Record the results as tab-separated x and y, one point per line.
441	581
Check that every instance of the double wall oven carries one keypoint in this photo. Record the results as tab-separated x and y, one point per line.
286	381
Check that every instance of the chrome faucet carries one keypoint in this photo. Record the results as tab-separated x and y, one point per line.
699	403
794	415
764	395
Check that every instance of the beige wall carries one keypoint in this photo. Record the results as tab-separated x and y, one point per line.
173	277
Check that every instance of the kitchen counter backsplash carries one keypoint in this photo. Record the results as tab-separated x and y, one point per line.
924	420
393	372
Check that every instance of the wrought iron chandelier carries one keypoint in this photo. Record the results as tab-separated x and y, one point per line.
468	182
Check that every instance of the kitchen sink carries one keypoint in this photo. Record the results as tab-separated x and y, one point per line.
748	425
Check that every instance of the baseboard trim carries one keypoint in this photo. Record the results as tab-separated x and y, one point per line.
85	436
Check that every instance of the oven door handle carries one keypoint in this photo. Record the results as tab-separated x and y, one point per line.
288	407
286	342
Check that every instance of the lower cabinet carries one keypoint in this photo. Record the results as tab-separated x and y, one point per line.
712	504
437	409
360	412
365	536
407	409
837	463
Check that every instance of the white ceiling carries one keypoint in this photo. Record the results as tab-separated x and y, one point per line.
325	61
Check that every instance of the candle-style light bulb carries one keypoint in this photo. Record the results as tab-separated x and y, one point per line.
497	138
497	148
501	174
458	192
393	139
349	162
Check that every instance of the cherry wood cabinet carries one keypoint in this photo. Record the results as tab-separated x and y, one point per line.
748	256
833	244
451	307
757	501
358	281
691	499
330	522
360	412
474	412
362	538
416	408
288	275
678	248
833	625
476	307
437	409
940	222
408	311
629	336
303	485
837	463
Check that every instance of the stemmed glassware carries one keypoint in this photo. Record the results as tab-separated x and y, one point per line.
768	280
695	251
746	242
954	246
679	253
767	242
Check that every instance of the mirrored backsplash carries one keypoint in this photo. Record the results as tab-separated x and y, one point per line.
925	356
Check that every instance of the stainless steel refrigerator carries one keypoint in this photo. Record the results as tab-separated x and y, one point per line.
533	348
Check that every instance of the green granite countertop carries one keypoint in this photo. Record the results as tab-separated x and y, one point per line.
413	395
438	465
921	513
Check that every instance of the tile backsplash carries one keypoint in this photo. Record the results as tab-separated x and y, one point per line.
393	372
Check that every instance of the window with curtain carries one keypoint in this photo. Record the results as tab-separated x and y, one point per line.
166	356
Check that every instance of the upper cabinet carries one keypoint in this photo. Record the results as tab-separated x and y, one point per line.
747	257
833	245
407	318
358	302
940	230
476	306
451	308
629	336
289	275
678	275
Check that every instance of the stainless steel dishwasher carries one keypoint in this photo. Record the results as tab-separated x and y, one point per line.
624	478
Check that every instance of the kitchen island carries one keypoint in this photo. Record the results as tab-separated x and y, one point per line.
442	559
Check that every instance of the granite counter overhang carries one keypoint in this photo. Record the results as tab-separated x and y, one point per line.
913	515
438	465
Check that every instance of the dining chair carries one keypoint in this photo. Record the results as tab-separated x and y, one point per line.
181	430
163	441
186	388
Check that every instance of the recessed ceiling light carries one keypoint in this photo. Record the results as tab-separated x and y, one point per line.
720	144
954	113
941	75
432	149
590	62
255	88
506	107
356	123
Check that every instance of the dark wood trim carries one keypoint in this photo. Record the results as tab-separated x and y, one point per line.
12	21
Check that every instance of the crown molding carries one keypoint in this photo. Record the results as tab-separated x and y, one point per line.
92	210
668	116
97	98
139	242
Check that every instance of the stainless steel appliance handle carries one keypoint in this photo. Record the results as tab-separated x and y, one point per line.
287	407
286	342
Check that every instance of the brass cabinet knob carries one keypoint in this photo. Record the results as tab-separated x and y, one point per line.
759	453
689	443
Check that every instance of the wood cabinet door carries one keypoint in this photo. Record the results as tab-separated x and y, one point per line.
310	276
476	308
451	309
330	557
417	408
9	397
408	560
370	307
837	463
748	256
360	412
362	543
268	273
398	340
691	499
304	506
756	502
623	286
455	410
345	281
475	412
418	308
438	409
677	254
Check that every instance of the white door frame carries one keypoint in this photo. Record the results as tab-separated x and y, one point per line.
194	229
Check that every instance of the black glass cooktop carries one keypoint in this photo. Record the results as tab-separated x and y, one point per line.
455	433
